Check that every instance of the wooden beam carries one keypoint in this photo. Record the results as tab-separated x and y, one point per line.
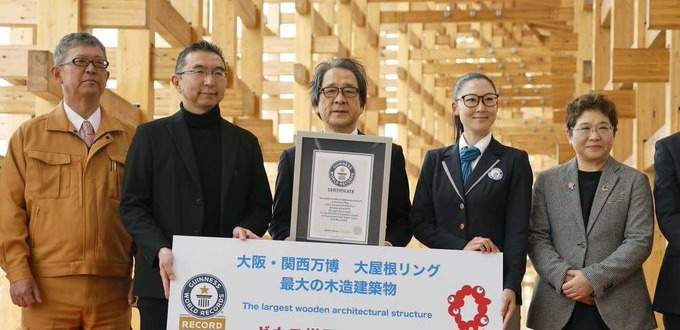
17	99
13	63
39	80
551	26
163	18
278	68
328	45
460	69
18	12
481	53
192	11
320	45
624	100
663	14
131	14
358	15
414	40
376	104
248	12
319	25
563	41
640	65
301	74
302	7
606	13
487	15
238	101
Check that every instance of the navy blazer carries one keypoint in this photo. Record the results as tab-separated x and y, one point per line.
398	231
162	193
667	197
495	203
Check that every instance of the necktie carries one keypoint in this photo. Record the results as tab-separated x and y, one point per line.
87	133
467	156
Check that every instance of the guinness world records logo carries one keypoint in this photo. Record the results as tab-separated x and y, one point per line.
342	173
204	296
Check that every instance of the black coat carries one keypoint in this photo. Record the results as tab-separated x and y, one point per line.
445	216
667	199
398	231
162	193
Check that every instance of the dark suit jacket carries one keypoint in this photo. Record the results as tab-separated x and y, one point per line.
667	197
162	194
398	231
447	215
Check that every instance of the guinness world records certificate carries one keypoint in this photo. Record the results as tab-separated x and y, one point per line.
339	199
340	188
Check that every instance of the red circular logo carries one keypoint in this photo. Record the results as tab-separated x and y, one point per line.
456	302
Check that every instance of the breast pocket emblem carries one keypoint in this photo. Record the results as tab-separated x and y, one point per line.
495	174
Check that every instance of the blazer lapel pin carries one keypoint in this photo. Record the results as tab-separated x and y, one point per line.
571	186
605	187
495	174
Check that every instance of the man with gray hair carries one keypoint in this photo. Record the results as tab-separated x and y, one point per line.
338	95
62	242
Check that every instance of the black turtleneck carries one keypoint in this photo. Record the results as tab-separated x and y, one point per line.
205	138
587	187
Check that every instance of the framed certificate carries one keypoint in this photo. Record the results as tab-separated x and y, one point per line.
340	188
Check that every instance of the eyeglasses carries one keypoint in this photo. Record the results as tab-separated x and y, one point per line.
200	73
84	62
602	130
332	92
472	100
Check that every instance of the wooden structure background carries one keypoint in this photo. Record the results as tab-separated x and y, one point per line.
540	53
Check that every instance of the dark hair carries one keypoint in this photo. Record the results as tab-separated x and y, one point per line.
591	102
72	40
460	82
199	46
341	63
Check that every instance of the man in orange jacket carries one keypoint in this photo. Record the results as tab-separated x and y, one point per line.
62	243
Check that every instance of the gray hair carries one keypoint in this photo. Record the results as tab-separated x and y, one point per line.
199	46
340	63
73	40
460	82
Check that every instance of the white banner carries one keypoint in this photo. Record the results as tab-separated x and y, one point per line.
224	283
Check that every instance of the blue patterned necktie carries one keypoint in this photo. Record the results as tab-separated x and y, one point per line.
467	156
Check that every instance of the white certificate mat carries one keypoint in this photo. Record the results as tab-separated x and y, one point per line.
224	283
341	188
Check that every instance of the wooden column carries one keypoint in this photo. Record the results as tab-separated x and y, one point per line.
622	30
583	24
372	64
224	35
303	65
251	52
55	19
134	69
601	47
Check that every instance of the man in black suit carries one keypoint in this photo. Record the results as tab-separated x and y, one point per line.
667	197
192	173
338	97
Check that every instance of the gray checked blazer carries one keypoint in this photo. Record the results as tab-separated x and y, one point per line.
610	252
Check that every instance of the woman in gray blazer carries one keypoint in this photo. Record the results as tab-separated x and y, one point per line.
590	231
